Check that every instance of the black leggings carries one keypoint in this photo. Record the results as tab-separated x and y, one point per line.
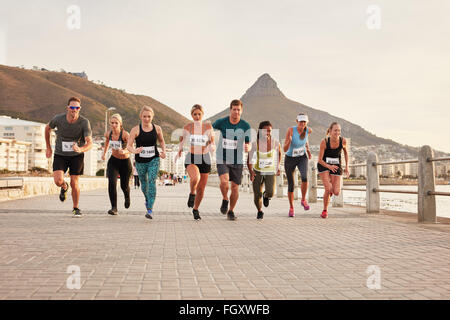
290	163
116	167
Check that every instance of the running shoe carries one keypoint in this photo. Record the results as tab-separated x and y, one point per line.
224	207
191	200
148	215
127	202
305	205
260	215
196	214
324	214
266	201
63	193
113	211
231	216
291	212
76	213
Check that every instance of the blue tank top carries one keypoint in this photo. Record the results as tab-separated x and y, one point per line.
298	146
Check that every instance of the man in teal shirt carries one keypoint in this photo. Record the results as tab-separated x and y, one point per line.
234	140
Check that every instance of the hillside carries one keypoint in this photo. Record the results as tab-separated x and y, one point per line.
265	101
39	95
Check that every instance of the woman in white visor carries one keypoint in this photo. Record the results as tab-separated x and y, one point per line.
297	155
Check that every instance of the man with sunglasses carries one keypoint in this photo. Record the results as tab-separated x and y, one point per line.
73	138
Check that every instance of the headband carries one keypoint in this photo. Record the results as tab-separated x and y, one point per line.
302	117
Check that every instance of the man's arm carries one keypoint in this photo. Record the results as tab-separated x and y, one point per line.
48	130
84	148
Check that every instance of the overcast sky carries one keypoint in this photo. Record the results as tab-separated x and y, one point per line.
393	81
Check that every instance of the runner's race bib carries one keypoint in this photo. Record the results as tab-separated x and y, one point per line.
115	145
198	140
147	152
332	160
67	146
298	152
229	144
265	163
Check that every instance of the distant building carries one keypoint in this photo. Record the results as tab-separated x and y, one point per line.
91	160
14	155
387	170
168	164
28	131
82	75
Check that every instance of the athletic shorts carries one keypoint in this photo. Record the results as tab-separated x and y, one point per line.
202	161
75	164
322	169
233	170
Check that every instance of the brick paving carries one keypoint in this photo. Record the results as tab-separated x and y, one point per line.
175	257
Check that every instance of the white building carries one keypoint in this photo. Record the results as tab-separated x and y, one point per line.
28	131
14	155
91	159
169	165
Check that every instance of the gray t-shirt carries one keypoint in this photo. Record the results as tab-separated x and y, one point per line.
68	133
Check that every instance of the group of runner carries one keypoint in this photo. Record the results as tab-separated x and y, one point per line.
74	137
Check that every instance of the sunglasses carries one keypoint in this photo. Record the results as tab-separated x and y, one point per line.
74	108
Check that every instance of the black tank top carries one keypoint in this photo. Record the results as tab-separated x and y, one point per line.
330	156
146	139
120	137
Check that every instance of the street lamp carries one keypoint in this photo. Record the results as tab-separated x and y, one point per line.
106	130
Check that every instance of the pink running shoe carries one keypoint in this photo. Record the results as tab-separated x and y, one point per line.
291	212
305	204
324	214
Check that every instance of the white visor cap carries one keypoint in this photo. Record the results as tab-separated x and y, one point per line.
302	117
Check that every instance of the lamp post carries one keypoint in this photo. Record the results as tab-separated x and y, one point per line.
106	130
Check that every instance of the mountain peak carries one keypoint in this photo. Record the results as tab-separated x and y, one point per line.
264	86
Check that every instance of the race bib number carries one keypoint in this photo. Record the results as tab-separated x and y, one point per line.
298	152
198	140
265	163
229	144
67	146
148	152
332	160
115	145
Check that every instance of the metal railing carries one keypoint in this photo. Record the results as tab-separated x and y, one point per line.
426	200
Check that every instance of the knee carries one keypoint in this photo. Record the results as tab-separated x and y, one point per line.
269	193
336	192
59	181
74	183
328	189
234	188
224	184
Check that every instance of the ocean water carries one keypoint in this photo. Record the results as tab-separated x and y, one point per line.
396	201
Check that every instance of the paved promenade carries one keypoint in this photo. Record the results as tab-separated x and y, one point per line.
175	257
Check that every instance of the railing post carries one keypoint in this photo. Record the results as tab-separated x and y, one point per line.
312	183
280	185
338	201
426	203
373	182
296	187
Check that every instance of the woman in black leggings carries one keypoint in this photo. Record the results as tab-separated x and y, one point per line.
119	163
